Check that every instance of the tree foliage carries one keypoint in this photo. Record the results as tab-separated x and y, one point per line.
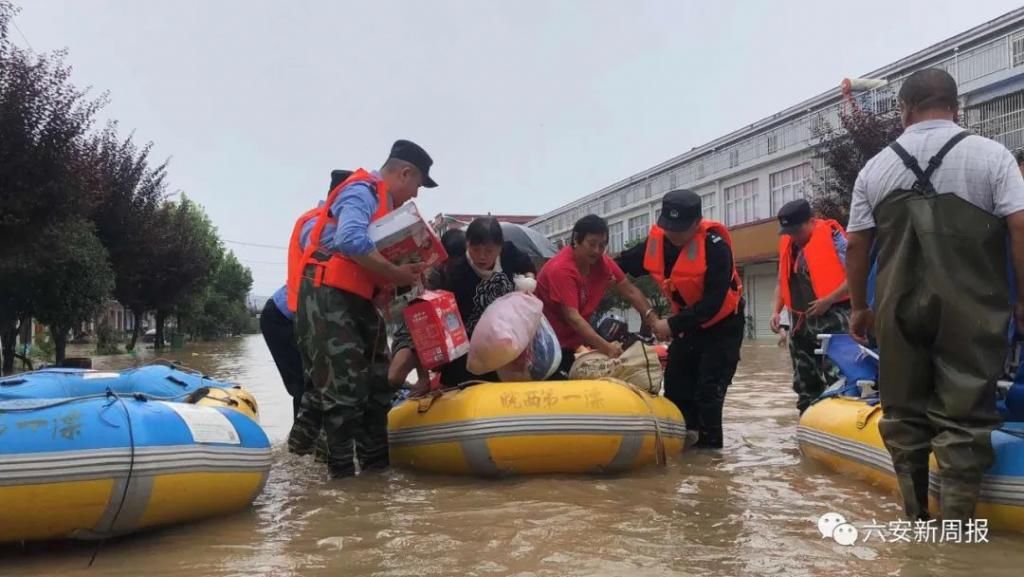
220	309
189	253
126	217
844	150
71	280
83	216
44	176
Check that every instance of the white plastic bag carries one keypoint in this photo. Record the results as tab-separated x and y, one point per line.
539	361
504	331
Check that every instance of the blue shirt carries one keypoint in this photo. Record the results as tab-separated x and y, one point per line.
280	299
354	207
838	241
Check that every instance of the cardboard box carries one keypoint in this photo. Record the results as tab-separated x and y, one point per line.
436	327
402	237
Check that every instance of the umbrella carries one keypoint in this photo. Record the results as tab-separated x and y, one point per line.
533	243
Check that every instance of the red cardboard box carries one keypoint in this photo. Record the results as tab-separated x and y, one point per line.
402	236
436	328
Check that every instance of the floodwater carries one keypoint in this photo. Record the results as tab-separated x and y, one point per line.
751	510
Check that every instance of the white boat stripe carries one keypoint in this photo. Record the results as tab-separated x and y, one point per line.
999	489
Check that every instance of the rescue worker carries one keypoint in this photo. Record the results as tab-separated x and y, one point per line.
691	259
341	336
812	286
277	324
938	204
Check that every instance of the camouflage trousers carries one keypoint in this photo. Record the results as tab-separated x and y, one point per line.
812	374
344	351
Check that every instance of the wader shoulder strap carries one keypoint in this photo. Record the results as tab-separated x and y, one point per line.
924	177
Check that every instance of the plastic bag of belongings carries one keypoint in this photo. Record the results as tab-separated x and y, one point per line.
539	361
504	331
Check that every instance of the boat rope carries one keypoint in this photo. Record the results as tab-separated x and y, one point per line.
660	453
131	469
68	400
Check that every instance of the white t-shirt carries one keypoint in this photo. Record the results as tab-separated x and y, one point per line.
978	170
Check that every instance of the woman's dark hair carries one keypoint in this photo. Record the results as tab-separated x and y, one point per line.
1019	156
454	241
590	224
486	230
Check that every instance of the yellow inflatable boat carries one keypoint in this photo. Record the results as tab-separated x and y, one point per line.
840	431
496	429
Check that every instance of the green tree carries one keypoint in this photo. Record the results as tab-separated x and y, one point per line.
221	308
189	253
125	218
43	121
844	150
73	278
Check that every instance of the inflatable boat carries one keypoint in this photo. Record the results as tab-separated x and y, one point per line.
81	464
165	381
840	430
497	429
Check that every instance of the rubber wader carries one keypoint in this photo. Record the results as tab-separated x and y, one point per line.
941	318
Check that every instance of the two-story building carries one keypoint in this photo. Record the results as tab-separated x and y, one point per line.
744	177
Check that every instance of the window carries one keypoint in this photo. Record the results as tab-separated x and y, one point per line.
615	237
623	198
1017	49
787	185
607	205
734	157
638	226
741	203
673	181
773	142
700	170
707	205
648	190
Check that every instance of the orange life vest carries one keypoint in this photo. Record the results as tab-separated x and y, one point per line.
823	264
338	270
687	276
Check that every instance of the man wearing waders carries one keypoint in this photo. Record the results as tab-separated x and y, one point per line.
812	285
938	203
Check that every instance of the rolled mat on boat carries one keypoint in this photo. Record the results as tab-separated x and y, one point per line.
496	429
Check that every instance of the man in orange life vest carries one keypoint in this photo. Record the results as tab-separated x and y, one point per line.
812	285
691	258
341	336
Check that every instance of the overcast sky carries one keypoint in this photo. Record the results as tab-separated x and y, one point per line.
524	105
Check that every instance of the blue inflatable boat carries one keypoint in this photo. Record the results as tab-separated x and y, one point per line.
164	381
88	454
840	430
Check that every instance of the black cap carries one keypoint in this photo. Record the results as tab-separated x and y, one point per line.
415	155
338	177
793	215
679	210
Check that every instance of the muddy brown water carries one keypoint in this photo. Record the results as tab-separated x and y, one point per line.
752	510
